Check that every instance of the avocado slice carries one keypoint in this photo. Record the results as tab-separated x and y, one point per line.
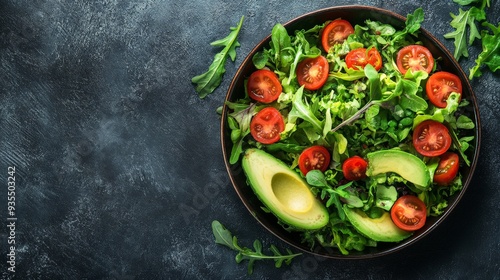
283	191
408	166
380	229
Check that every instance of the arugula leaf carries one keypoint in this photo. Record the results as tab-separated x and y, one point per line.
207	82
412	25
224	237
490	55
302	110
413	21
460	23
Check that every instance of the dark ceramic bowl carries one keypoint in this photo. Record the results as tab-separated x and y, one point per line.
356	15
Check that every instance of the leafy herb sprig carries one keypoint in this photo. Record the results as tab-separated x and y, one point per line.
464	24
207	82
467	31
224	237
490	55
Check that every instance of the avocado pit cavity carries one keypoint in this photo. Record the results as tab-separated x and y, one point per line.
291	193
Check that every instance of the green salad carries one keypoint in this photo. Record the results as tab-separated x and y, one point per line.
364	118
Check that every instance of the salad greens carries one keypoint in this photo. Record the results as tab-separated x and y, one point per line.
207	82
466	31
224	237
354	113
465	20
490	55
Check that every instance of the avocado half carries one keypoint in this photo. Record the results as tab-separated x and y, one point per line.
283	191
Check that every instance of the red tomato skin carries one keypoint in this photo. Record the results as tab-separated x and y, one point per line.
359	58
354	168
335	32
314	157
447	169
266	125
440	85
409	213
413	56
264	86
431	138
312	73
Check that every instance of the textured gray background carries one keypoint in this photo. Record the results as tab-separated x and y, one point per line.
119	165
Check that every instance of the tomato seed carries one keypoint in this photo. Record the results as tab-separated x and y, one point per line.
423	60
312	72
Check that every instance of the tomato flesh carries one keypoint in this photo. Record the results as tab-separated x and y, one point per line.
359	58
312	73
409	213
335	32
267	125
315	157
264	86
439	87
415	57
447	169
431	138
354	168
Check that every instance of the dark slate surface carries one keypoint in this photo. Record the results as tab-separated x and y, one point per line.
119	169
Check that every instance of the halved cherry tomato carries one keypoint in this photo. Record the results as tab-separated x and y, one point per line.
431	138
447	168
264	86
354	168
336	32
409	213
359	58
415	57
312	73
440	85
315	157
267	125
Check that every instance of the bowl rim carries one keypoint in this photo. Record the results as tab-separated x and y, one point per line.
456	67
